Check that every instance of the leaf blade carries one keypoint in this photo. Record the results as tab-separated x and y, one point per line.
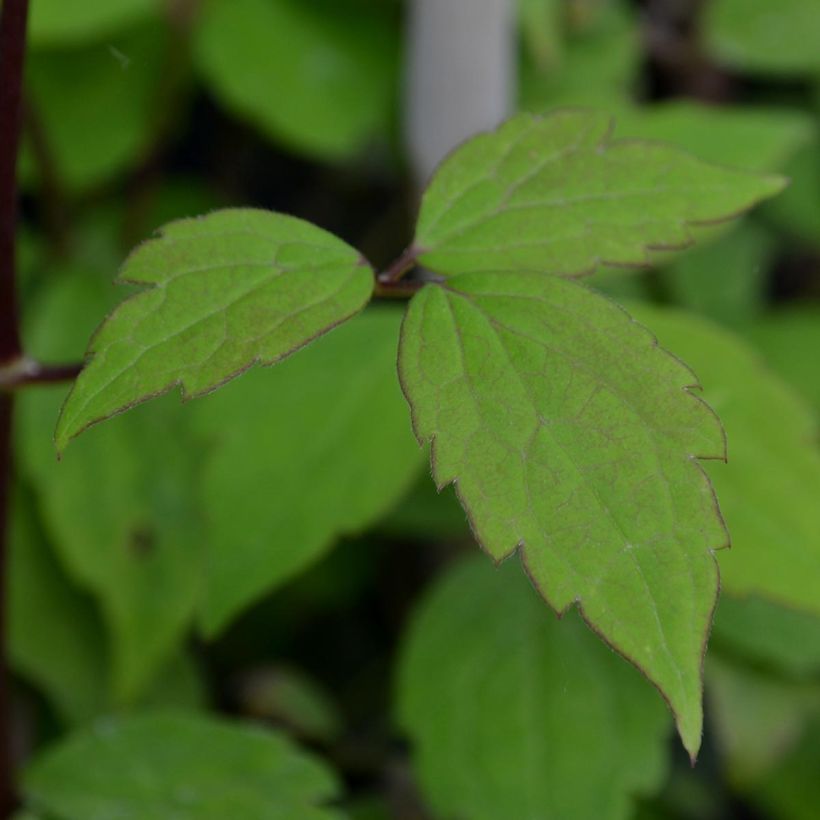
554	194
535	733
230	290
174	764
549	417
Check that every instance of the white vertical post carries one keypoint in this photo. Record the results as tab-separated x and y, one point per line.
460	76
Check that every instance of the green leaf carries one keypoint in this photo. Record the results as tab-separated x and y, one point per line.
515	714
542	30
596	62
163	765
317	448
792	790
55	22
726	279
760	36
121	508
768	491
772	636
319	77
753	138
553	194
571	435
95	106
56	640
789	340
797	212
757	718
224	292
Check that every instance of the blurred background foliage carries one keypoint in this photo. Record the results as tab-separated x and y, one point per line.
277	552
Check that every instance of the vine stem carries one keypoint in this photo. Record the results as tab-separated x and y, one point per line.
13	21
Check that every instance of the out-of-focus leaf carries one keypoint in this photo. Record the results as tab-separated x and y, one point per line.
769	489
573	440
762	632
789	339
516	714
319	77
553	194
757	718
792	790
542	27
797	211
59	23
94	106
221	294
725	279
165	765
317	448
755	139
290	697
599	60
56	640
121	507
762	36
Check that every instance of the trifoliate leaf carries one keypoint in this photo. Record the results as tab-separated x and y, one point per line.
57	23
769	489
223	293
515	714
178	765
316	448
553	194
319	77
571	435
761	36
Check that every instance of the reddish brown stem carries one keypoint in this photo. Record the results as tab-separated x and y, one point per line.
12	54
13	19
402	265
28	372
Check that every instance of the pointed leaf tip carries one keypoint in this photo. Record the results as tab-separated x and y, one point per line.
569	432
225	292
555	194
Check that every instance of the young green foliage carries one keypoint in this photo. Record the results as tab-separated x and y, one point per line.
167	764
568	431
554	195
225	292
515	714
571	434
